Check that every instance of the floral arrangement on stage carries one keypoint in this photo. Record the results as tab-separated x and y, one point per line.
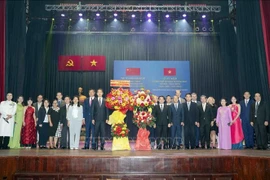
120	100
120	130
143	104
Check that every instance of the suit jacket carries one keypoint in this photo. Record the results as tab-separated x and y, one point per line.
182	100
262	113
205	117
87	109
41	115
162	117
245	110
192	115
62	103
177	115
63	115
100	113
36	108
198	103
80	113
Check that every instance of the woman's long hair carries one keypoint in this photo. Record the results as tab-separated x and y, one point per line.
78	101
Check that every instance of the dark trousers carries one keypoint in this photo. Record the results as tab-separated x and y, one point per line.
65	137
4	142
189	133
205	135
169	137
99	132
43	134
197	135
261	135
162	134
176	134
248	133
89	131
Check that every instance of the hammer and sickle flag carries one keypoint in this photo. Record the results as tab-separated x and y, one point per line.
69	63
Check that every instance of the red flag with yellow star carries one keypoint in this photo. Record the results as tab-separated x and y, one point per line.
93	63
169	71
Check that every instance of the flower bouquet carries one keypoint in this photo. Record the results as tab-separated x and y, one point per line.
120	100
143	104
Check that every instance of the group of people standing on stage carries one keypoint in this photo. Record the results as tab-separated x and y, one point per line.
195	124
58	122
180	122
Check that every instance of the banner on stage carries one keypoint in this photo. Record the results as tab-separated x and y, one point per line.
120	83
81	63
160	77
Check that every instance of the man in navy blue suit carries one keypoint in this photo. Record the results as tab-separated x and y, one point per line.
177	116
87	115
245	117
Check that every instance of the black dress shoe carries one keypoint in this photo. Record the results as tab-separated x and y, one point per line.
214	148
102	148
159	147
197	147
85	148
63	148
208	147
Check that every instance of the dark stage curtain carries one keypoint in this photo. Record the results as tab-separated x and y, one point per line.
15	44
265	13
252	66
2	48
229	70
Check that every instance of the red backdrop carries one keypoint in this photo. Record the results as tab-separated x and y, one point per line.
2	48
265	14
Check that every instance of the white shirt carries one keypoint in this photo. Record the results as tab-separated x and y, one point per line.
46	116
75	111
100	100
39	105
204	106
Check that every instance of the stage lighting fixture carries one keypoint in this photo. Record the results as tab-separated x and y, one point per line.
184	15
194	20
97	14
63	15
149	15
204	29
70	19
149	20
87	19
81	19
115	14
133	15
115	20
105	20
203	16
212	20
80	14
167	16
176	20
53	19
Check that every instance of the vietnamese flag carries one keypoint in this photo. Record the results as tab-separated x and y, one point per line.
169	71
69	63
93	63
133	71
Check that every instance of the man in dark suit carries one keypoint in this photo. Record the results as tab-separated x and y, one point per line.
177	116
259	119
64	124
60	101
87	115
245	117
37	105
100	117
205	118
194	98
162	113
190	121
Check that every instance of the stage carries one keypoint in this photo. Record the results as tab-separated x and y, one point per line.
135	165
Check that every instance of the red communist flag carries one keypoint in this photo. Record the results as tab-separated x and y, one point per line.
69	63
133	71
169	71
93	63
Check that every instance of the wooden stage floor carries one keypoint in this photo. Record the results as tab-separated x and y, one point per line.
59	164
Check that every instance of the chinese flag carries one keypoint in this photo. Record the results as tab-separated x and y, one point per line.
169	71
69	63
93	63
133	71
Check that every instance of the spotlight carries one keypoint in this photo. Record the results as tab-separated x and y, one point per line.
52	19
87	19
133	16
70	19
194	20
115	20
212	20
149	15
203	16
149	20
105	20
63	15
115	14
176	20
81	19
80	14
184	15
97	14
167	16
